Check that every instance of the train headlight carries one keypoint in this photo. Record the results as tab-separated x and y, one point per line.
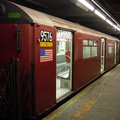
2	9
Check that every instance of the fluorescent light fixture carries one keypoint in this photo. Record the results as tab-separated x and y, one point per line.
109	22
116	27
100	14
88	5
104	11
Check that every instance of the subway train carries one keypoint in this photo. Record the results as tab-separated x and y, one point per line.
45	59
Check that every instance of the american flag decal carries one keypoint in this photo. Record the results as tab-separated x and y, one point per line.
46	55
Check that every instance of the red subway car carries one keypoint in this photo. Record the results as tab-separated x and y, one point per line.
45	59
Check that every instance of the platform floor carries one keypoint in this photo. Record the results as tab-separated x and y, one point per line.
98	101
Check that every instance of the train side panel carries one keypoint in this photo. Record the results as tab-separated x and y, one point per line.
16	41
13	46
85	69
7	42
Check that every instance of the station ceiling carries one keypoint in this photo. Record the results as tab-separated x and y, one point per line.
75	12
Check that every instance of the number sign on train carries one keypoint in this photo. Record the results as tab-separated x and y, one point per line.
45	36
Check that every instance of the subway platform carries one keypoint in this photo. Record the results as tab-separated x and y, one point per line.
98	101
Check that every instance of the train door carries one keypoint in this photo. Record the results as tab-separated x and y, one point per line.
116	52
103	42
63	63
115	61
45	66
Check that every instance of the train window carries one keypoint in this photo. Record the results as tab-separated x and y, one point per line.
85	42
90	48
86	52
110	48
94	51
91	42
95	43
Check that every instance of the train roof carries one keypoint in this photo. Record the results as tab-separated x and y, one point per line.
19	14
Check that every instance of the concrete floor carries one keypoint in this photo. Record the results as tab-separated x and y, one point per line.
99	101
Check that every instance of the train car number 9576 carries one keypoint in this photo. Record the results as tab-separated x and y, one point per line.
45	36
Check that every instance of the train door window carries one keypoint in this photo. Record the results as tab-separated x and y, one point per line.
103	54
63	62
